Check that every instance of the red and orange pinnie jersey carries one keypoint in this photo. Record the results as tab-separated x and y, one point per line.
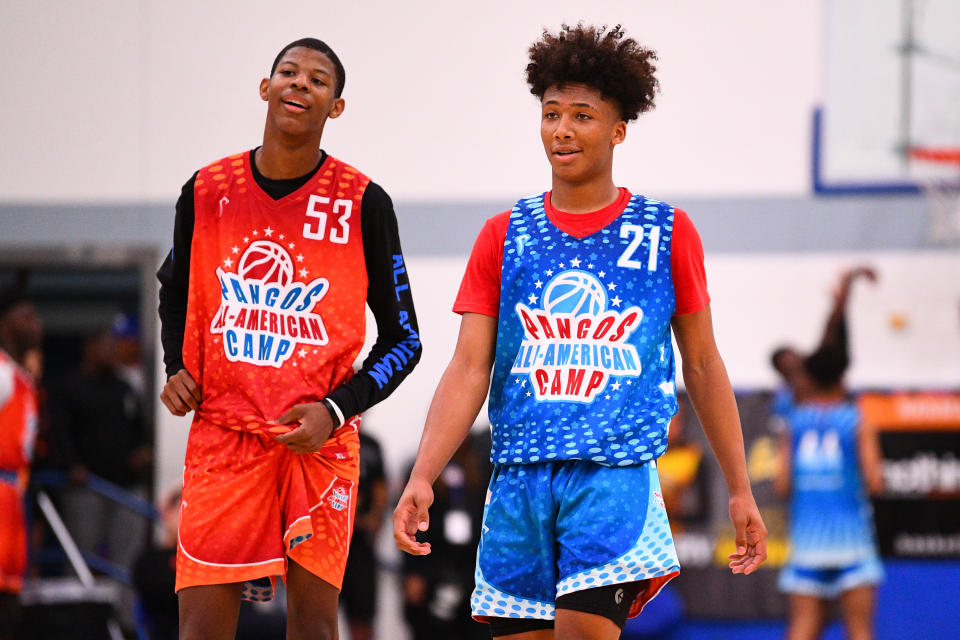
277	292
18	423
18	426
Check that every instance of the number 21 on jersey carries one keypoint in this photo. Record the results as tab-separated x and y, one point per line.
317	210
635	233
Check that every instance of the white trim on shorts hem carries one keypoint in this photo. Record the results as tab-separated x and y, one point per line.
221	564
293	524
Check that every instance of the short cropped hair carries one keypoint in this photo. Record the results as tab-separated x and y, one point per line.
322	47
617	66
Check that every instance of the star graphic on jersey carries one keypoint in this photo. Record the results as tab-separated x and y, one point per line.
281	236
611	286
615	386
268	232
228	263
629	382
575	263
290	246
236	249
516	381
303	273
246	239
532	299
590	266
615	301
528	394
538	284
255	233
549	272
562	266
295	363
606	397
302	352
601	273
300	257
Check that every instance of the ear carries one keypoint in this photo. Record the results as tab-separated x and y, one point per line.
619	133
264	85
338	106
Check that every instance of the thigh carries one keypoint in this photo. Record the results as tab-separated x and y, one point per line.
579	625
209	612
612	529
516	561
311	605
857	606
230	517
807	617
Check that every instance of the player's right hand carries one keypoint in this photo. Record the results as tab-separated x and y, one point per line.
412	515
181	394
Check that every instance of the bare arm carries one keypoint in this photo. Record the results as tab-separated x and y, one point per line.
456	403
871	458
781	481
712	398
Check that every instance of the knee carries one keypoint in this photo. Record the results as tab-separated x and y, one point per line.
309	624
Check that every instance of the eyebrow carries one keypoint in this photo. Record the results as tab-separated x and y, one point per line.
316	70
572	104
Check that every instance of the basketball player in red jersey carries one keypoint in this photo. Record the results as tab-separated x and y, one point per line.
20	331
276	252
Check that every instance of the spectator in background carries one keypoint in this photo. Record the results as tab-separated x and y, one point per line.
830	461
20	331
126	334
359	593
437	587
99	428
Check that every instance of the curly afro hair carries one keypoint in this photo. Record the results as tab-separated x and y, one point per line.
602	58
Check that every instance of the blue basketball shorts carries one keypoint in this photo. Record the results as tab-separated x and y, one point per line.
557	527
830	582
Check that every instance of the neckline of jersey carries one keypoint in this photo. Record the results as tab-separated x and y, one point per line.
582	225
248	159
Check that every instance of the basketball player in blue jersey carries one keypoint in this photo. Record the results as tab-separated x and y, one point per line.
831	461
570	298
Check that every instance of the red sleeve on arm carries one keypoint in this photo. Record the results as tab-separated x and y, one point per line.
480	287
686	263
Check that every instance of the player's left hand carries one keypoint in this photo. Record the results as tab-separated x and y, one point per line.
316	425
751	534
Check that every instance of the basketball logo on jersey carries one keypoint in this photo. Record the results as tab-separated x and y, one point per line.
264	312
573	344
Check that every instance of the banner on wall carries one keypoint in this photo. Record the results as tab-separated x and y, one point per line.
917	516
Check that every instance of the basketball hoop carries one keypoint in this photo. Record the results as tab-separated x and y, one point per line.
938	169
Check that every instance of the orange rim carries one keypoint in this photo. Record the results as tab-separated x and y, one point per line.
944	155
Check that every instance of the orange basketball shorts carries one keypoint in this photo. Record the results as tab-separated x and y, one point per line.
13	538
249	504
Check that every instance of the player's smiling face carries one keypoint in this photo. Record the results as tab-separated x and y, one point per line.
301	93
579	129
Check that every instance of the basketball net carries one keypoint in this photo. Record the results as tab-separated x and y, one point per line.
939	179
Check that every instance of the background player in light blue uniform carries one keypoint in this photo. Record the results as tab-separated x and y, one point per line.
831	460
570	298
